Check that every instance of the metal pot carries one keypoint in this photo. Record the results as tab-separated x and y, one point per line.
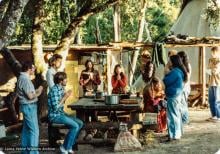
111	99
99	95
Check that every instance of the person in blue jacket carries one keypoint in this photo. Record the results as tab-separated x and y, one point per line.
174	83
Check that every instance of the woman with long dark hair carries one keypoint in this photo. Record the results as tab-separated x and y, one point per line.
174	82
186	90
89	78
119	80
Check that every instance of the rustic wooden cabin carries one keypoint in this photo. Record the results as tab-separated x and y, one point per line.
74	65
78	54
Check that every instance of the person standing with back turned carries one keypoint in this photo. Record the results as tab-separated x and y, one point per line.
28	98
174	82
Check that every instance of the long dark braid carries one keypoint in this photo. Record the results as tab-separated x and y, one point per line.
177	62
185	60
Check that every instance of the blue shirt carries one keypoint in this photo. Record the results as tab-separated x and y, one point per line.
56	93
24	87
174	82
50	77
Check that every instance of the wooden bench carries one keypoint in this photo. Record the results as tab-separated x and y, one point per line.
54	133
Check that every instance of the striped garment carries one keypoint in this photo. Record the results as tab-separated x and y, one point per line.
56	93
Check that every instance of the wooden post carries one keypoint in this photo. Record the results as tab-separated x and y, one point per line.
109	85
203	75
200	66
117	23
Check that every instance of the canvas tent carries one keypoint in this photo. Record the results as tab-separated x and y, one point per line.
191	22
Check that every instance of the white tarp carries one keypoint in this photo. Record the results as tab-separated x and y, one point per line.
192	23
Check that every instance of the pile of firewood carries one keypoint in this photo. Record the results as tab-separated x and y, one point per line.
195	97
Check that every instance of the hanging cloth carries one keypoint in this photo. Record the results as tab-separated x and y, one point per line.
159	55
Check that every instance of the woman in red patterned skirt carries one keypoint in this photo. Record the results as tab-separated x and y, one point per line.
154	102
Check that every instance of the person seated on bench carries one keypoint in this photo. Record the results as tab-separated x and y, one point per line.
154	102
56	100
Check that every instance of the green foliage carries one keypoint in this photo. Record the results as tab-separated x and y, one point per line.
105	25
212	14
130	13
54	24
23	31
160	16
56	21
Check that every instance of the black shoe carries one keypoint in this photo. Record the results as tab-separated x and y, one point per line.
171	141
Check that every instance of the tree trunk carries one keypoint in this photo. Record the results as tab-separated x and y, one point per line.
3	7
68	36
149	39
10	59
16	69
117	23
37	51
37	34
9	22
113	57
42	99
11	101
78	39
97	32
139	39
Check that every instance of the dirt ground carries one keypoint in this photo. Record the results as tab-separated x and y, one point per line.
200	137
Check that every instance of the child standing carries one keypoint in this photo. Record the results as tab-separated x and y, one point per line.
214	84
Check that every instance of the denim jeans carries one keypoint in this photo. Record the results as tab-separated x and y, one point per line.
74	125
184	104
174	119
214	100
30	131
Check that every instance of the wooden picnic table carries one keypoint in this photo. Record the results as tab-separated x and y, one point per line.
84	105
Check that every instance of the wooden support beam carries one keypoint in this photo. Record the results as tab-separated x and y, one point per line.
166	45
200	66
191	45
109	84
118	46
203	75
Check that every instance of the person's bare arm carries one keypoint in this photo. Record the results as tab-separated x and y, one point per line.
66	95
37	93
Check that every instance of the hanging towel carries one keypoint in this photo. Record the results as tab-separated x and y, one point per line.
159	55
